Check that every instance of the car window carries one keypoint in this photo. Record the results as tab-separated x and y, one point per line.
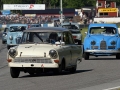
70	26
71	39
102	30
41	37
17	28
66	38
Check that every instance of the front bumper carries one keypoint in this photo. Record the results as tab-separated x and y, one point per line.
102	51
33	65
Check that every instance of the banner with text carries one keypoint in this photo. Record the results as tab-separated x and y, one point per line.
23	6
108	10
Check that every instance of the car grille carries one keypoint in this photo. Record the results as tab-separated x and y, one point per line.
94	47
103	45
18	40
111	47
32	60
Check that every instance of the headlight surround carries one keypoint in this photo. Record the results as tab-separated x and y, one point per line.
12	52
113	42
93	42
4	35
11	37
53	54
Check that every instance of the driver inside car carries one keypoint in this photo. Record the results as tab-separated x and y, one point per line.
53	37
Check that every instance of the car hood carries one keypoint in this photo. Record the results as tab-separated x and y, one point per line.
98	38
35	50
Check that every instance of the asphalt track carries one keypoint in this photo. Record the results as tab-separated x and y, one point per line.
98	73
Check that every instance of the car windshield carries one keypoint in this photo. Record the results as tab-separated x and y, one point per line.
102	30
41	37
35	25
70	26
17	28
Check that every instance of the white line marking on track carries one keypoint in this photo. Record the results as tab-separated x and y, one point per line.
114	88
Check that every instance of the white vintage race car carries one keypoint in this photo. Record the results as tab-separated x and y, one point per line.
44	49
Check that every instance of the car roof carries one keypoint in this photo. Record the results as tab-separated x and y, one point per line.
67	23
103	25
34	24
46	29
17	25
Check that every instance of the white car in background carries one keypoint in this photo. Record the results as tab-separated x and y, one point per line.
75	30
44	49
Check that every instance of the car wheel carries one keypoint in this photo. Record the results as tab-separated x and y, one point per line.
73	69
86	56
79	42
31	73
14	72
117	56
60	68
8	47
3	42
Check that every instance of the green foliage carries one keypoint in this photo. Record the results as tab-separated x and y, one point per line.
85	29
56	3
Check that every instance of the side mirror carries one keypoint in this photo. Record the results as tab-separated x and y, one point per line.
60	43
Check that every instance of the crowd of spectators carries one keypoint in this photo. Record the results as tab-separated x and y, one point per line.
9	19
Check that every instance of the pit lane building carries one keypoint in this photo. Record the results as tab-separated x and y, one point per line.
106	8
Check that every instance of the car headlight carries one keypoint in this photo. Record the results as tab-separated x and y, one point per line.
4	35
12	52
53	54
11	37
93	42
113	42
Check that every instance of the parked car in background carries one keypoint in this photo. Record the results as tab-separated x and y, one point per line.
44	49
14	34
102	40
75	30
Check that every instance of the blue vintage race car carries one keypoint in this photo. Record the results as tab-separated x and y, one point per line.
102	40
33	25
4	35
14	34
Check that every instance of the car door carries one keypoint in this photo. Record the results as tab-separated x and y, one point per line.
67	49
76	50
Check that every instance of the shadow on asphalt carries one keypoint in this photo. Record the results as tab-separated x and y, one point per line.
52	74
103	59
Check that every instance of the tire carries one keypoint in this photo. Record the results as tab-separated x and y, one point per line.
73	69
31	73
8	47
86	56
3	42
60	68
79	42
117	56
14	72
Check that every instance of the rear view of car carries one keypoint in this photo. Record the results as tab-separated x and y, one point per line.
75	30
